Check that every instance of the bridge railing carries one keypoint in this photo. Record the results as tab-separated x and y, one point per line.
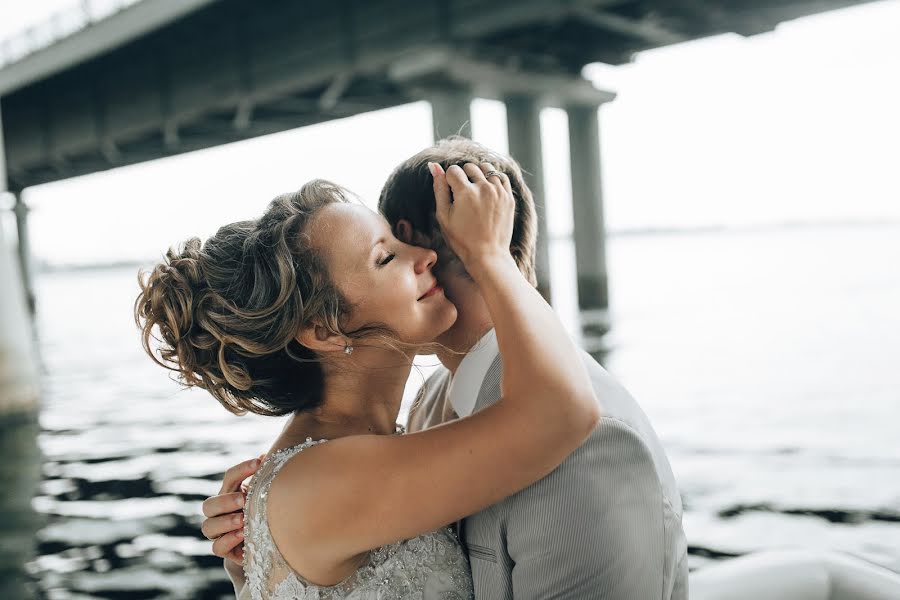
61	24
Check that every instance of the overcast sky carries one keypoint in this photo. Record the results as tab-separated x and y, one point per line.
797	125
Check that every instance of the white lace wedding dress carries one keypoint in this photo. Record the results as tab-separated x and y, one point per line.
428	567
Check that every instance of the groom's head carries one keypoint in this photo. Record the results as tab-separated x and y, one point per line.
407	202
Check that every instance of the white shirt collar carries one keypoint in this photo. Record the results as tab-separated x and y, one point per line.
466	382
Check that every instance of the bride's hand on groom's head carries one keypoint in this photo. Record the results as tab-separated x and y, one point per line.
224	523
475	209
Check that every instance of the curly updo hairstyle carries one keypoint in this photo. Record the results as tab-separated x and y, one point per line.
225	313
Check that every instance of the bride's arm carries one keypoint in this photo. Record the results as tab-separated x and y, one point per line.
361	492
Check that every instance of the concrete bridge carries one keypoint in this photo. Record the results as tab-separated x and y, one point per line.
159	78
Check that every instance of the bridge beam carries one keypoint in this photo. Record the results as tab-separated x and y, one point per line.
589	228
523	118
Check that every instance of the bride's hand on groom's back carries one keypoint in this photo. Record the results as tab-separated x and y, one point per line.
224	523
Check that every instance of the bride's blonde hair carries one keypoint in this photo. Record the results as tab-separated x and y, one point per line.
224	314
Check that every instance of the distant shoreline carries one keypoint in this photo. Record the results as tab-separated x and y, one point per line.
43	267
69	268
753	228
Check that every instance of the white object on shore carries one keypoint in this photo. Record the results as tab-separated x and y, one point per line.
795	575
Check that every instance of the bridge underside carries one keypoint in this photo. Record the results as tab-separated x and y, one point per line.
238	69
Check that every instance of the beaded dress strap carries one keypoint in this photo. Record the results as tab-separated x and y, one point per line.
277	460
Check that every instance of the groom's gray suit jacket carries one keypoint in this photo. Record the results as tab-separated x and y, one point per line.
605	524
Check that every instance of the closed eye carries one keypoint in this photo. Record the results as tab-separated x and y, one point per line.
386	259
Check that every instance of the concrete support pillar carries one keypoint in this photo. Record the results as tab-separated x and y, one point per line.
523	118
587	207
4	182
21	212
451	112
20	467
26	267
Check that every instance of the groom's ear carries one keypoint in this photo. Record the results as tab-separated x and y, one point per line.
404	231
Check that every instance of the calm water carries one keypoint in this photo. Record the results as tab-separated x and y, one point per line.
767	361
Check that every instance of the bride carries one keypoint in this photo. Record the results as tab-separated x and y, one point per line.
316	311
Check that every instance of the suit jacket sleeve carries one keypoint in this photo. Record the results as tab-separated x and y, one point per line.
615	549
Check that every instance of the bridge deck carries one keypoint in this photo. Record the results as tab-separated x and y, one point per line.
153	81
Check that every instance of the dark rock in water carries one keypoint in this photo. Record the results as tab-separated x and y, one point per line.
832	515
710	553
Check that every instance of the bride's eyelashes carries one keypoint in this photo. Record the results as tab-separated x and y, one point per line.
388	258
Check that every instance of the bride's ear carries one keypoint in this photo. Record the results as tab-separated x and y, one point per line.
319	339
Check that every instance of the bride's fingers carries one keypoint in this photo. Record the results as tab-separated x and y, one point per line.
498	177
236	474
237	554
474	172
216	527
457	179
442	195
223	504
226	544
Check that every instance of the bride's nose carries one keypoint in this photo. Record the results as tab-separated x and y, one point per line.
425	259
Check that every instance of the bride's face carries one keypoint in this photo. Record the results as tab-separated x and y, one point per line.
387	281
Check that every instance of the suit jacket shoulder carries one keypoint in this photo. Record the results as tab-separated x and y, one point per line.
606	523
616	404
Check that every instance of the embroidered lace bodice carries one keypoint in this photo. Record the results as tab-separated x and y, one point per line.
428	567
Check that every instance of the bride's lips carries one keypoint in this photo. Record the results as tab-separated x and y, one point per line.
434	290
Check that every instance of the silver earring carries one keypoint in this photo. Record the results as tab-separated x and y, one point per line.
348	349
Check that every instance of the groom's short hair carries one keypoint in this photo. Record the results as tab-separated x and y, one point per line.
409	194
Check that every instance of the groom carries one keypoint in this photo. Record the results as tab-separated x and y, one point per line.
607	522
